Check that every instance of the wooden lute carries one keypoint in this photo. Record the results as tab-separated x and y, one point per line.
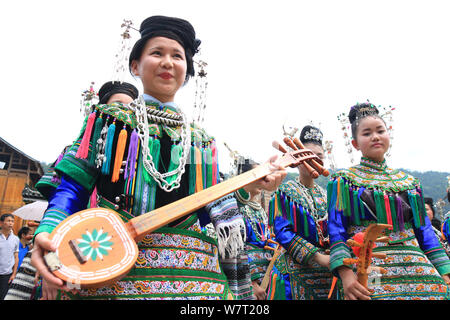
363	261
95	247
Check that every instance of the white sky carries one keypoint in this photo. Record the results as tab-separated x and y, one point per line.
268	62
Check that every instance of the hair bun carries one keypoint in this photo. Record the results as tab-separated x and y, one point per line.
361	110
311	134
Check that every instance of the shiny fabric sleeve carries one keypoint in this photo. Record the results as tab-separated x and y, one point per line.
68	198
251	236
432	248
337	230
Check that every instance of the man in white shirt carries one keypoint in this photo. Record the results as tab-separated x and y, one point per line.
9	253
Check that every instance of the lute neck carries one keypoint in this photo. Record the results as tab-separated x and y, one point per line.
148	222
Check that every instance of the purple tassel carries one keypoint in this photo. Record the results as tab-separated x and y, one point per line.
399	209
352	210
56	178
283	207
130	166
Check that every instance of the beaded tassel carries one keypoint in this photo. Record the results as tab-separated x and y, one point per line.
393	213
204	169
333	198
339	200
356	207
412	204
305	222
361	205
283	207
95	136
192	172
399	210
101	145
346	198
93	199
56	178
83	149
209	168
329	192
278	211
108	148
147	178
198	170
215	171
271	212
175	155
287	207
388	211
154	147
120	151
416	201
156	154
130	167
421	204
379	207
294	215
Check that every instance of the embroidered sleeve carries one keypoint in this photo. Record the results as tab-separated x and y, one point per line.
337	230
432	248
300	249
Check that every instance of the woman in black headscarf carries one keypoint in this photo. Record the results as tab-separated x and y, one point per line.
166	159
117	91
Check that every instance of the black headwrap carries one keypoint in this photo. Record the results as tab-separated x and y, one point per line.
310	134
173	28
110	88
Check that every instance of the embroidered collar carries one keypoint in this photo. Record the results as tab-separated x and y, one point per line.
378	175
149	100
366	162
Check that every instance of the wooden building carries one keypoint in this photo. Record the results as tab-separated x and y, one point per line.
17	171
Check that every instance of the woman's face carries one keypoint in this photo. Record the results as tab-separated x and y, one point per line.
162	68
429	211
372	138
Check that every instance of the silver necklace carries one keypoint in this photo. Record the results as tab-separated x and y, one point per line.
143	114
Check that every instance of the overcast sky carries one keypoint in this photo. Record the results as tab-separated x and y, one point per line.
269	63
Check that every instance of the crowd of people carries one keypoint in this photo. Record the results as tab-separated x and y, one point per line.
136	153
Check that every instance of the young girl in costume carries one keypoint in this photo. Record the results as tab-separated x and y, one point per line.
149	156
257	233
298	214
416	264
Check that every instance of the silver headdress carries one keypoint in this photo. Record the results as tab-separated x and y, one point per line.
123	52
313	134
89	97
201	84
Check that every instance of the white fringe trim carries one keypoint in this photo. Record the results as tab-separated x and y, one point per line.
230	238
